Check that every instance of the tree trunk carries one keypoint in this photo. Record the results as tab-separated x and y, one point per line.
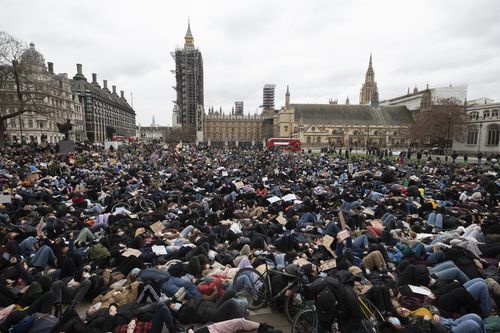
3	131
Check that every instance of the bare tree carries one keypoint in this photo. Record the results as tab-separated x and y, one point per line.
22	88
184	134
440	124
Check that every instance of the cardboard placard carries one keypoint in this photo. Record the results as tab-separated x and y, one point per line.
417	204
157	227
328	264
40	226
281	220
342	220
131	252
327	241
239	184
342	235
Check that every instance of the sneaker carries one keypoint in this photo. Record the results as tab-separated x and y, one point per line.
265	328
164	298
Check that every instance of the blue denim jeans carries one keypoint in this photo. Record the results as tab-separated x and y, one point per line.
435	220
449	271
43	257
470	323
306	219
172	285
479	291
331	229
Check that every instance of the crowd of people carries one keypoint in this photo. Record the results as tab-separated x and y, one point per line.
424	234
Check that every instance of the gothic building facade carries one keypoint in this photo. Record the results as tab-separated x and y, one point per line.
222	129
55	102
369	90
344	125
188	109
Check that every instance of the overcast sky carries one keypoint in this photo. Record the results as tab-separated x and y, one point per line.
319	48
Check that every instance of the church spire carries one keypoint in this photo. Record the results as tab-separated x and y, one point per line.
188	39
287	97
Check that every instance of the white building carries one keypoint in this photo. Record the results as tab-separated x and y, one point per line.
413	101
483	131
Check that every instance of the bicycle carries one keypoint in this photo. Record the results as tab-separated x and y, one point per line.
259	292
306	321
134	205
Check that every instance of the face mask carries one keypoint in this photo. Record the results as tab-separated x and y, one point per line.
177	306
121	233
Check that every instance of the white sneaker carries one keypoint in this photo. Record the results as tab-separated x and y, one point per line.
164	298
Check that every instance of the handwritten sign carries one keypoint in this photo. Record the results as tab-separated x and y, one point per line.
157	227
343	235
328	264
327	242
281	220
131	252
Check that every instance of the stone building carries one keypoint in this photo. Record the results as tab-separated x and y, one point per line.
106	113
188	110
483	129
369	90
222	129
152	132
337	125
56	104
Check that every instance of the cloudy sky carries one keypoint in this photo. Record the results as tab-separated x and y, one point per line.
320	48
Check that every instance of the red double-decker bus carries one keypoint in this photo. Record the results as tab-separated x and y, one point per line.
286	144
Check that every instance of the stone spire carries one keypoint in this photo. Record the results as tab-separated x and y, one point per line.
347	101
369	89
188	39
287	97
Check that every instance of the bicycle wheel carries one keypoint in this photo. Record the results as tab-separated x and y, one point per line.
293	305
371	313
305	321
252	285
120	205
147	204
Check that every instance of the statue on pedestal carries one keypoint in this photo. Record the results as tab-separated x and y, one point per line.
65	128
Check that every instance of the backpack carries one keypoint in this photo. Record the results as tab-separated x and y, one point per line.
394	255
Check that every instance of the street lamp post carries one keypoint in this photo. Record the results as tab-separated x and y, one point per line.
479	141
448	134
